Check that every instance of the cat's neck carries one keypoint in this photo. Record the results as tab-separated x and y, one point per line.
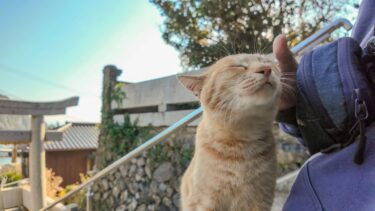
252	128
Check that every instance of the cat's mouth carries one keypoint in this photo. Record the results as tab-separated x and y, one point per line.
267	83
264	86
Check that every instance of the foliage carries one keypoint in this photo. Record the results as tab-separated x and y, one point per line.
124	136
10	176
117	94
157	155
205	30
79	198
53	183
116	139
53	126
186	156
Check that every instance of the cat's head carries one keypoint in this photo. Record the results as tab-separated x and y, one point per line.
237	83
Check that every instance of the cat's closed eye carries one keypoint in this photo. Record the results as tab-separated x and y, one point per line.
244	67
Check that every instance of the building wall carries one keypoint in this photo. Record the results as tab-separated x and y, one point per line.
156	92
68	164
159	102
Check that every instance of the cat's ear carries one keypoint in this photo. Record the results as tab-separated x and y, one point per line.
192	83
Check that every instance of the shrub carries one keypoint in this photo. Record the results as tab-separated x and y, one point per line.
80	198
10	176
53	183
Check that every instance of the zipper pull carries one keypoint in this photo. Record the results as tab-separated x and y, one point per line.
361	111
361	114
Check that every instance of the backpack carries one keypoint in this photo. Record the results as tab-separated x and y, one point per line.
336	98
339	128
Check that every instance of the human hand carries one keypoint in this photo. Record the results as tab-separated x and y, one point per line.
288	68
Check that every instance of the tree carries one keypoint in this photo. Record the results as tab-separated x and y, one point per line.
205	30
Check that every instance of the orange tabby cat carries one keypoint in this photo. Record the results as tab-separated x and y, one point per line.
234	164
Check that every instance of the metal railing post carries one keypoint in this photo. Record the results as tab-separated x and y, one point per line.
89	198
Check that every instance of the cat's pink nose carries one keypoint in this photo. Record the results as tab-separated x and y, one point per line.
265	71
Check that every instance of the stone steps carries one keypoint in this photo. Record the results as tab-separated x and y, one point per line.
283	186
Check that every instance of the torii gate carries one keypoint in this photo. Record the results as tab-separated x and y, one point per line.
35	138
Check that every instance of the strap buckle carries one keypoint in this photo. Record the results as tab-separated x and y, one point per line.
361	112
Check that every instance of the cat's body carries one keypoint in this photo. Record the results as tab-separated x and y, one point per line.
234	164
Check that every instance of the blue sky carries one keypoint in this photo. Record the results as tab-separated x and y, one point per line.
51	50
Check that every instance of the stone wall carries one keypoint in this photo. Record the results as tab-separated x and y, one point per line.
151	182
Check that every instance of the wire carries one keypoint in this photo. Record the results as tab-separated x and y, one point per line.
29	76
7	94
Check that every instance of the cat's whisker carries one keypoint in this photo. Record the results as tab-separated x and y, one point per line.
220	44
222	51
287	85
254	47
257	47
266	47
225	51
233	47
246	78
288	73
288	90
289	93
247	83
288	79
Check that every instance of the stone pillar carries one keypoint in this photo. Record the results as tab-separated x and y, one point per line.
37	163
110	74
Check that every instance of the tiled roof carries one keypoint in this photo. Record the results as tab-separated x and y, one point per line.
76	136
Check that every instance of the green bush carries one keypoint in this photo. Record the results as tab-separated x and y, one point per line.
11	176
79	198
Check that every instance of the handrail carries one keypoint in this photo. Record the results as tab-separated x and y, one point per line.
134	153
328	29
18	182
191	117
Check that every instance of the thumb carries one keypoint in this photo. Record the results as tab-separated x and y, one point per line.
283	54
287	64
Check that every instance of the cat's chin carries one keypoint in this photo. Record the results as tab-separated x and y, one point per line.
265	96
265	90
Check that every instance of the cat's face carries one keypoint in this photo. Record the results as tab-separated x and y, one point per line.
237	83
